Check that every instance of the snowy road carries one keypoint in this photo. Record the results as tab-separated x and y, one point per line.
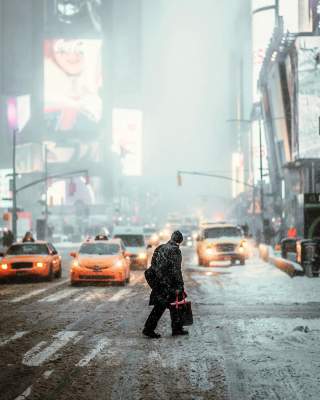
256	336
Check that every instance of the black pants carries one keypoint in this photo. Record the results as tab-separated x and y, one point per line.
156	314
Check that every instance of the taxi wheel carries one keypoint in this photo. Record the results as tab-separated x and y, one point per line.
50	275
59	272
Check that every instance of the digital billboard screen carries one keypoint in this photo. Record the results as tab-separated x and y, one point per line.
127	139
308	97
72	85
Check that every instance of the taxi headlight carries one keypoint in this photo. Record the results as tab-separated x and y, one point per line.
75	264
142	256
40	264
241	249
4	266
118	263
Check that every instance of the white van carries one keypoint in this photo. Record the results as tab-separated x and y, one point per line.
134	241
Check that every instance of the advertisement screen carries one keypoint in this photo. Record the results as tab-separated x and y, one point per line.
127	139
308	49
72	85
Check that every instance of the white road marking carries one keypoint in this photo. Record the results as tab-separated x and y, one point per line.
48	373
77	339
121	294
25	394
37	292
36	356
93	353
53	298
16	336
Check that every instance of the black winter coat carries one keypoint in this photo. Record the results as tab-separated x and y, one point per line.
166	262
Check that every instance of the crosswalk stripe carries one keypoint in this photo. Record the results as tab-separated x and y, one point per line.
37	292
38	355
48	373
16	336
93	353
53	298
122	293
25	394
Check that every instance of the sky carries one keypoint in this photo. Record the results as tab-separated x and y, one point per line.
186	80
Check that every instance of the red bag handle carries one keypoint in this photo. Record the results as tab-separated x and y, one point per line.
177	298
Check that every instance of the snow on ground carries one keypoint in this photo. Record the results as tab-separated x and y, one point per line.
269	326
255	283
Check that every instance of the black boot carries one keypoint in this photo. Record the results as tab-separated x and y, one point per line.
180	332
151	334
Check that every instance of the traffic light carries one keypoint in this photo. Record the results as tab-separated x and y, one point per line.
179	179
6	216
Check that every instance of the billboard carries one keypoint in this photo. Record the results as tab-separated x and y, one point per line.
127	139
308	95
72	84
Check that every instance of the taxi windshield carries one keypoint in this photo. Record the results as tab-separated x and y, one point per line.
213	233
132	240
28	249
101	249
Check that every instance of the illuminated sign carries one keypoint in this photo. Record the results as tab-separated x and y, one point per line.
308	49
18	112
72	84
127	139
237	174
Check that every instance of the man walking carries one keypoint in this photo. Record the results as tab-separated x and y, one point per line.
168	283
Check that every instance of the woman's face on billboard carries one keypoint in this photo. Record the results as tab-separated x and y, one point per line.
69	56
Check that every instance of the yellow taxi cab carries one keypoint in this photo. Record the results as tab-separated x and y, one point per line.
37	258
100	261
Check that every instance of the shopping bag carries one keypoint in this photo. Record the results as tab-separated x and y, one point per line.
185	310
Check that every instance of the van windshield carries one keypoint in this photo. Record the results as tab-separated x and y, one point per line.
132	240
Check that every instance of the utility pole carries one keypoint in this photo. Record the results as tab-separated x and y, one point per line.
14	184
46	213
261	176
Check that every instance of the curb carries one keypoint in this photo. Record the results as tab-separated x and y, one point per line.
291	268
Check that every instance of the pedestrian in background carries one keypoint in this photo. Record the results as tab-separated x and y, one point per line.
28	237
8	238
167	284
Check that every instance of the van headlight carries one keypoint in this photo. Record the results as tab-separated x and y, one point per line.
142	256
210	251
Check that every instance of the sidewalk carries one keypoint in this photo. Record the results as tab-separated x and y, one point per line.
288	266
